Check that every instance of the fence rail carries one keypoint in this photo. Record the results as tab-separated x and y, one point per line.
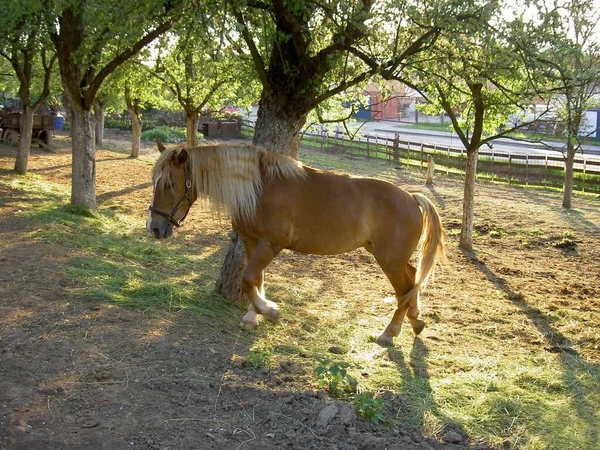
496	165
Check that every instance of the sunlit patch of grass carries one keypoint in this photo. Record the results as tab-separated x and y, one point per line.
119	262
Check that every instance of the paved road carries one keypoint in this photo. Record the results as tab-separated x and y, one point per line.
448	139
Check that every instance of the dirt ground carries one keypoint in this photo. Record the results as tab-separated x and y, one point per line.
77	373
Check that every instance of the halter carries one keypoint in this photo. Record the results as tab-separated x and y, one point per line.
187	196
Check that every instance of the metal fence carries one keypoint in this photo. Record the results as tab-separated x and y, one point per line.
495	165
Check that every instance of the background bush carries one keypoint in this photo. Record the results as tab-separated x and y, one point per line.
164	133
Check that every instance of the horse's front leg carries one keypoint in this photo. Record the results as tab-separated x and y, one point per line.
250	319
259	258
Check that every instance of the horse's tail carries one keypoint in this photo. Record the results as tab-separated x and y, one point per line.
432	248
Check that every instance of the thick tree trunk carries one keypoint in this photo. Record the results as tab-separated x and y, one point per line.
228	282
466	231
136	133
278	124
26	132
191	128
99	111
278	130
83	189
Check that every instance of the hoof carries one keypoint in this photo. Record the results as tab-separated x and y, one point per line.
270	311
272	315
420	324
385	341
248	324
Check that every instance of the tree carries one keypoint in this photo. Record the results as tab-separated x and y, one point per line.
201	69
478	74
23	45
307	52
93	39
570	52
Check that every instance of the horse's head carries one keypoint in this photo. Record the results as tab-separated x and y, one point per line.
173	194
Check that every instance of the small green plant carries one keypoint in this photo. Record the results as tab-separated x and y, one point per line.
259	359
369	407
496	234
335	378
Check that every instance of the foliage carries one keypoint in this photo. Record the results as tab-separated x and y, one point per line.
259	359
164	133
567	36
334	377
369	407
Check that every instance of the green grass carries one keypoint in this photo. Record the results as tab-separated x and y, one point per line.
118	263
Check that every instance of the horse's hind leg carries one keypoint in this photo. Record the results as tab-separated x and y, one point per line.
402	278
414	307
260	255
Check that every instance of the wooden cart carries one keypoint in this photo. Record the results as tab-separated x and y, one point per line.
43	126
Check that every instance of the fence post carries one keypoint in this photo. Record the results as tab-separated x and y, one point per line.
546	171
396	146
527	169
509	168
430	169
493	165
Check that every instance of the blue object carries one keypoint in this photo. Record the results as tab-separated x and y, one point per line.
59	123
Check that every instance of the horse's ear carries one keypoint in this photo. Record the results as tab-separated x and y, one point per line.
182	156
161	147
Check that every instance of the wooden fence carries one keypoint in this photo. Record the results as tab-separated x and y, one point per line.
495	165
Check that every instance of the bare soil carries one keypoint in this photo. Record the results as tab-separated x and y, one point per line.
78	373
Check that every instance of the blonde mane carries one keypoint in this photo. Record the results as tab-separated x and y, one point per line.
229	175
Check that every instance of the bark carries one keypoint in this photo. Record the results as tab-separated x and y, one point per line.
83	188
26	132
99	111
136	133
568	188
134	109
192	120
228	282
278	124
466	232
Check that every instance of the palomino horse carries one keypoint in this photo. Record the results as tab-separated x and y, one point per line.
276	203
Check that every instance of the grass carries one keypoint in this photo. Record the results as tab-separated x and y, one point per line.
474	377
114	262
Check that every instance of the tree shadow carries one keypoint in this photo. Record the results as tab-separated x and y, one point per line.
573	366
112	194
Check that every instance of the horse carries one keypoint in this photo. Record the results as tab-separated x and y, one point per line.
276	203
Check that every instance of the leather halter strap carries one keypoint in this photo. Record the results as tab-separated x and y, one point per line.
186	197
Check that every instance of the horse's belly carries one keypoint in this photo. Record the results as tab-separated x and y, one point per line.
327	237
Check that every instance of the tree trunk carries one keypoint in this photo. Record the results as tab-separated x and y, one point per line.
136	133
191	124
83	188
278	130
568	188
26	132
466	231
228	282
278	124
99	110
